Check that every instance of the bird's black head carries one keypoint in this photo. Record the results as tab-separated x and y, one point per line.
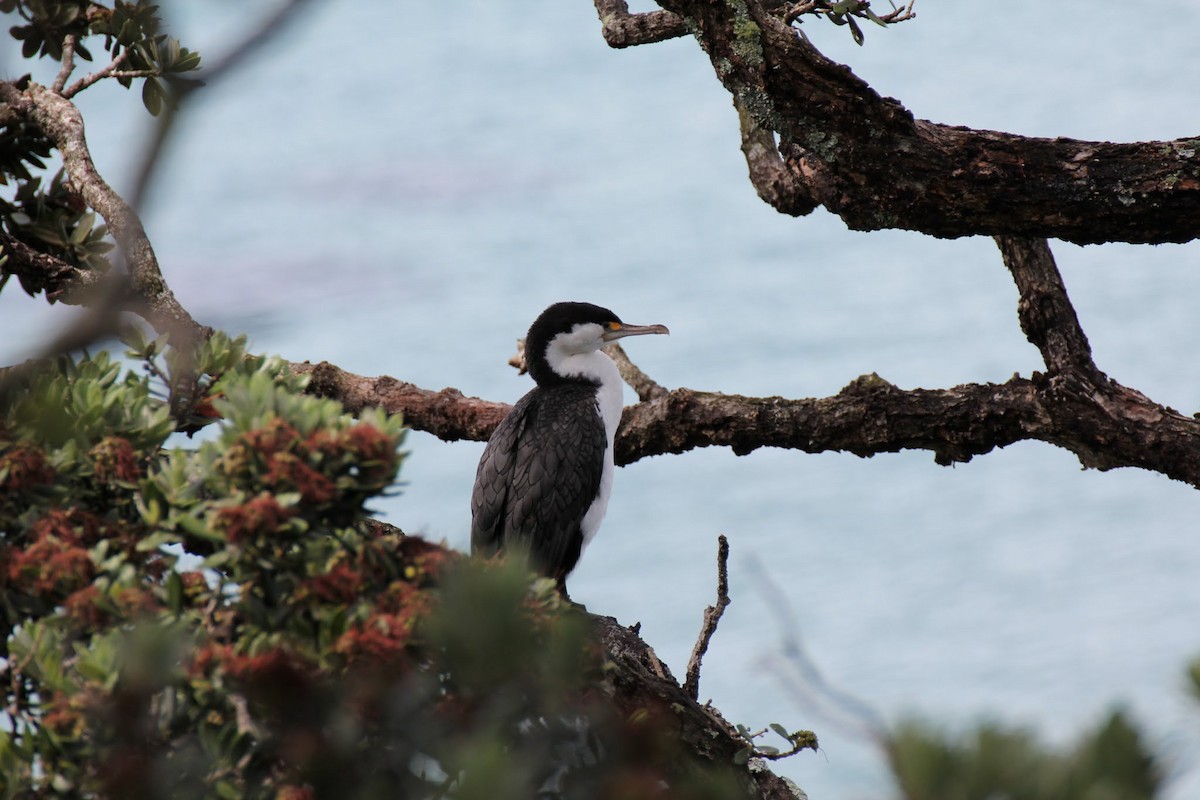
583	328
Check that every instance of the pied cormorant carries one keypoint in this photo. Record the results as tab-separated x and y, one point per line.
545	476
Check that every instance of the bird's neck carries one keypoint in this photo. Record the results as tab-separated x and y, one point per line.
597	368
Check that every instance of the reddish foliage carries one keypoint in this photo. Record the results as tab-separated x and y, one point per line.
206	658
402	597
341	584
81	606
69	524
24	467
259	516
277	436
55	563
287	471
325	442
114	460
371	444
381	639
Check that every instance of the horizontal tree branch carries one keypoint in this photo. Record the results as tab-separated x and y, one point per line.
865	158
448	414
1105	425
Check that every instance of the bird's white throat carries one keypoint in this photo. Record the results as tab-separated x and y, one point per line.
567	358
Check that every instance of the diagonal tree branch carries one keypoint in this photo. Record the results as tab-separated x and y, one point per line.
1104	424
1046	314
60	120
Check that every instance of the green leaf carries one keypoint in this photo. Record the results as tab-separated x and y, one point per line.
855	31
174	592
153	96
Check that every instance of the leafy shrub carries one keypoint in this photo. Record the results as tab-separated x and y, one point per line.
224	621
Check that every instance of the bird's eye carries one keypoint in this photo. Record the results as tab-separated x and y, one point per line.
614	326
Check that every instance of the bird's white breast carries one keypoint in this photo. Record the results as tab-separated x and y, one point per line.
609	403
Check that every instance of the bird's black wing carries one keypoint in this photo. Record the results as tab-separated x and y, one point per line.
539	474
493	478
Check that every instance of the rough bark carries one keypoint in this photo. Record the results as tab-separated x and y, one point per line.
867	159
640	681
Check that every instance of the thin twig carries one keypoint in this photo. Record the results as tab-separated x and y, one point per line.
245	722
861	10
110	71
640	382
68	63
712	615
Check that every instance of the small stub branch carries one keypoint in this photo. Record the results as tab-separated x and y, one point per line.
624	29
712	616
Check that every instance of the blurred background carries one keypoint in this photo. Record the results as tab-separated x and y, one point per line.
400	188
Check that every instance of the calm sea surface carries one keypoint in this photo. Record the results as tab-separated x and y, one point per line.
400	188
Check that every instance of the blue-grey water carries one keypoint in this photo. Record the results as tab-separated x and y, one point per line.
399	188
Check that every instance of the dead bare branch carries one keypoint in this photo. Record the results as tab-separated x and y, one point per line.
645	386
712	616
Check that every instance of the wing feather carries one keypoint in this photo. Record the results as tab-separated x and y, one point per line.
538	476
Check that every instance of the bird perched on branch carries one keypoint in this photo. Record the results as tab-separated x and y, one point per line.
543	482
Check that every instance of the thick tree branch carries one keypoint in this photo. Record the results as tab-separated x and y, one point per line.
447	414
1105	425
866	159
867	417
